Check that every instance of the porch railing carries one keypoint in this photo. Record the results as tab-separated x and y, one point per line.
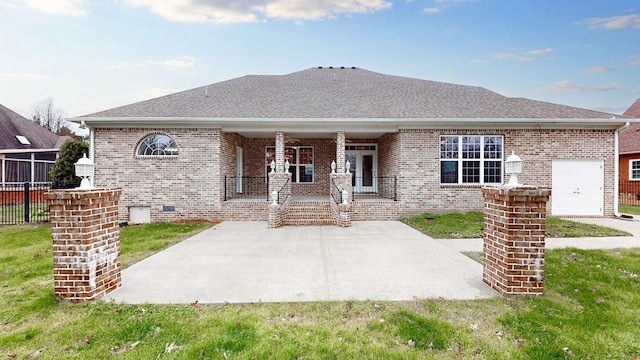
336	193
378	187
23	203
629	192
246	187
284	193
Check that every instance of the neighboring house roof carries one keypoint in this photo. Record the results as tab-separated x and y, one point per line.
629	139
20	133
317	96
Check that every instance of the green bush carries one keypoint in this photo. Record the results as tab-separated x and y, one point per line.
62	173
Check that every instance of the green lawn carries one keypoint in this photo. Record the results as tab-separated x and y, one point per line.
591	310
628	209
469	226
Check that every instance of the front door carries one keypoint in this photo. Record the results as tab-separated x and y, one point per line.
363	168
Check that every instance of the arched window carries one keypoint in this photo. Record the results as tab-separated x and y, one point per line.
157	145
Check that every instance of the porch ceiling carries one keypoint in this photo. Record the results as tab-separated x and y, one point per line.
310	135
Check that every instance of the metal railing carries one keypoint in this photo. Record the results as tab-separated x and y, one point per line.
23	203
629	192
378	187
336	193
284	193
246	187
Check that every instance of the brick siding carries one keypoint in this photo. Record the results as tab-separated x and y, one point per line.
193	182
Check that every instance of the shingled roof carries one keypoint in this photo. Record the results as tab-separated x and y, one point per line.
342	93
12	124
629	141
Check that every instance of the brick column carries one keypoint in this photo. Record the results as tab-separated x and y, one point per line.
342	212
279	152
514	236
340	154
86	243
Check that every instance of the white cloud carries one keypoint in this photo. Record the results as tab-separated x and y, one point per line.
600	69
634	61
453	1
569	86
431	10
185	62
508	56
60	7
223	11
24	76
180	63
540	51
614	22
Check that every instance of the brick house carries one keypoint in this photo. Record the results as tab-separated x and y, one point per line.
629	159
412	146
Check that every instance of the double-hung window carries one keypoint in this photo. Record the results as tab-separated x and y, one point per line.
471	159
634	169
300	162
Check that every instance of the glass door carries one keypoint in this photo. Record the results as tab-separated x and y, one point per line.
363	168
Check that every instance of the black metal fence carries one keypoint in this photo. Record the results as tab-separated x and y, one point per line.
22	203
246	187
380	187
629	192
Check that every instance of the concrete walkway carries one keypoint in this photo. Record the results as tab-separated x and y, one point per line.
243	262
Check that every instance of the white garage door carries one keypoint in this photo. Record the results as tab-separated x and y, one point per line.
577	187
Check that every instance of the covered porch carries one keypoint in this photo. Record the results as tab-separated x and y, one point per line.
325	170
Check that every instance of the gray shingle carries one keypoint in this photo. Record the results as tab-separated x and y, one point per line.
12	124
342	93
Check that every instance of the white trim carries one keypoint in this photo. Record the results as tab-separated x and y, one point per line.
616	167
631	178
351	124
297	165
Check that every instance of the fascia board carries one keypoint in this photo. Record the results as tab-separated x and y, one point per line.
359	124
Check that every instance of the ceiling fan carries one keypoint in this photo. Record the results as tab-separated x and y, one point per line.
290	141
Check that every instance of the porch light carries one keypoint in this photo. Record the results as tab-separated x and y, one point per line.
286	166
274	197
347	166
345	196
84	169
513	166
273	166
333	166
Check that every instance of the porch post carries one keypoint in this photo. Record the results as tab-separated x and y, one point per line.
279	151
340	156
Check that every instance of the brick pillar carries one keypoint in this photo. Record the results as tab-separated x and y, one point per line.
86	243
514	236
279	152
341	211
340	154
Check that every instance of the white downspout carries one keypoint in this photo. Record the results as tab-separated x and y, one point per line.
616	165
92	152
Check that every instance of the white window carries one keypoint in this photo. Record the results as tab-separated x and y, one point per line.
300	162
157	145
470	159
634	169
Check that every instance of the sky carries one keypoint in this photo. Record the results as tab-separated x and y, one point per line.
90	56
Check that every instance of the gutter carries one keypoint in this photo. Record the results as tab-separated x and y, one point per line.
616	175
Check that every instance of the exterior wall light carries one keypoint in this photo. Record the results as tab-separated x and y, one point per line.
333	166
347	167
84	169
273	166
286	166
513	166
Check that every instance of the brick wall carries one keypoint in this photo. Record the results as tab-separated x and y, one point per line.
193	182
513	240
190	182
86	243
419	188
